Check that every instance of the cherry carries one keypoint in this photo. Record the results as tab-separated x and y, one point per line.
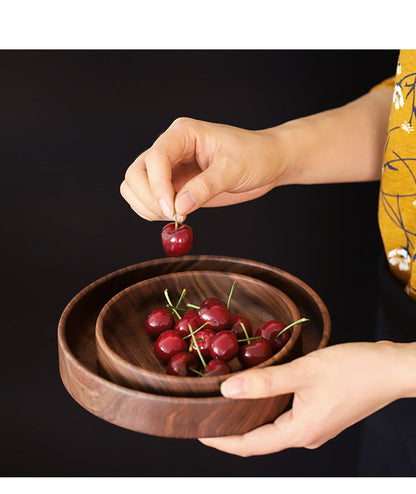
216	367
168	344
181	326
255	353
276	333
283	339
237	328
182	363
211	299
158	321
177	239
224	345
216	315
203	340
269	330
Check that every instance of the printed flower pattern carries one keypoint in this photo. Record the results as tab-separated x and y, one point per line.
406	127
400	258
398	99
397	201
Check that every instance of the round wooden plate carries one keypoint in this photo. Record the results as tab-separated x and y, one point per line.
169	416
125	350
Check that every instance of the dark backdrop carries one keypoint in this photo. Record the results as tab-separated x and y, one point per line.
71	122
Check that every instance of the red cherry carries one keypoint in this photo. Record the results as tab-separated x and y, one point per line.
269	330
255	353
211	299
216	315
216	367
158	321
236	320
203	339
181	364
177	239
168	344
182	328
224	345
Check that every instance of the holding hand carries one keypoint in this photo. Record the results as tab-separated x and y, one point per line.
205	164
333	388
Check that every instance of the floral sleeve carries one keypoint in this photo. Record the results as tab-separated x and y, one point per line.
397	200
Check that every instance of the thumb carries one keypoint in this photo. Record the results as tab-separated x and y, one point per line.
264	383
200	189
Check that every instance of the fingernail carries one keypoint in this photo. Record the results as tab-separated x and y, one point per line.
166	210
185	202
235	387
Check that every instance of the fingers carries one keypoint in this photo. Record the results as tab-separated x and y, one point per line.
202	188
269	438
138	207
263	383
149	178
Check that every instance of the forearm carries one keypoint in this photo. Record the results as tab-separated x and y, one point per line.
340	145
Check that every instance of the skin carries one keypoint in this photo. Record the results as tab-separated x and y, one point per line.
200	164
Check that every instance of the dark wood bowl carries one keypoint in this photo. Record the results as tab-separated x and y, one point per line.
170	416
125	350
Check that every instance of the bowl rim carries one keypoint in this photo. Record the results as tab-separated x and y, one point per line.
210	380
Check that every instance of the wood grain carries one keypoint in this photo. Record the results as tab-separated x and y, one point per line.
168	416
125	351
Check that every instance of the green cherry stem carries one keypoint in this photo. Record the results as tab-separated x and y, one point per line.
197	372
196	331
180	299
247	338
176	221
173	308
245	330
196	346
290	325
231	294
250	339
192	306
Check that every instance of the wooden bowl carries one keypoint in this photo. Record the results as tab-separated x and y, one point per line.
125	350
170	416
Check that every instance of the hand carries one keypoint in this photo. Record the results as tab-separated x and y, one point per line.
205	164
333	388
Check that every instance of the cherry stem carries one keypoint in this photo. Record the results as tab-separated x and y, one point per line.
245	330
174	307
249	339
196	346
196	331
196	372
192	343
176	221
290	325
180	299
192	306
231	294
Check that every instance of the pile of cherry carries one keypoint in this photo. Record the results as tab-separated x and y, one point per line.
204	340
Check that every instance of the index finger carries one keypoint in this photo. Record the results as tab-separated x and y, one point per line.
175	145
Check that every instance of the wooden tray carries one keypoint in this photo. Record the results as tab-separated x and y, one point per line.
169	416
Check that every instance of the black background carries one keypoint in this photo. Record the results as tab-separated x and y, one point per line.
71	122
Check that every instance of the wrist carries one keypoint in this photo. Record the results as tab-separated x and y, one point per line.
400	359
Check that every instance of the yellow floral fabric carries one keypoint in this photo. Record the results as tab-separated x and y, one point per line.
397	199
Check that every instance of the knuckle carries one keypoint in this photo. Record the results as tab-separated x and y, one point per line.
260	383
128	176
181	122
123	189
265	383
313	444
